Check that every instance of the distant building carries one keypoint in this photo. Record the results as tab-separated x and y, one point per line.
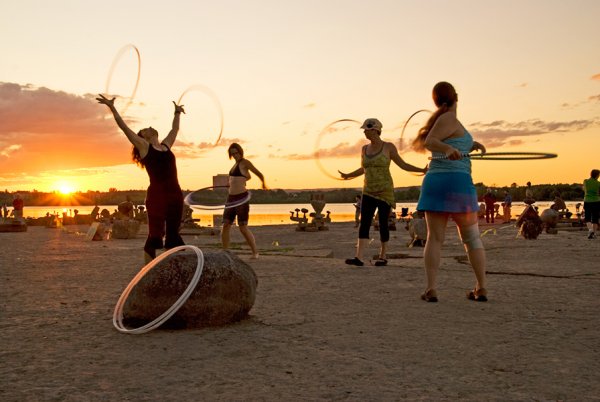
221	180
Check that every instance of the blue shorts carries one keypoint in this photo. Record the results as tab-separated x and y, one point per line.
451	192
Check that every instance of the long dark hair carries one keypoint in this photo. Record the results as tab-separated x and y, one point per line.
135	154
444	97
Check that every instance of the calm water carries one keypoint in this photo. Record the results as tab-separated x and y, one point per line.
270	214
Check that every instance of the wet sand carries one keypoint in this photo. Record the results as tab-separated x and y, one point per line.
319	330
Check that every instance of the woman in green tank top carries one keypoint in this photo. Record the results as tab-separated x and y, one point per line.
378	188
591	202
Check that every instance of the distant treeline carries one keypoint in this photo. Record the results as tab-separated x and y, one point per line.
542	192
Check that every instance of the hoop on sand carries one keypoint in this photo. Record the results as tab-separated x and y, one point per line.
118	313
326	130
401	143
213	97
112	69
192	199
503	156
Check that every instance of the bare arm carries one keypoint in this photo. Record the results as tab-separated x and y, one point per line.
352	175
478	146
172	136
248	166
393	153
138	142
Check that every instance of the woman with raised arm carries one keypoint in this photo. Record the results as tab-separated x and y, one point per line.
164	199
238	176
448	190
378	188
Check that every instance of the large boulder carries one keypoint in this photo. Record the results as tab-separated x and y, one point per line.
225	293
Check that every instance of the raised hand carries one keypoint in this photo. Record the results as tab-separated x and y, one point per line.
105	101
178	108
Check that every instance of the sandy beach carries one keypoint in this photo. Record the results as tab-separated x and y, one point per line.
319	330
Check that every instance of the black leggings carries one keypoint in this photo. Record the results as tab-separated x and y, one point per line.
164	219
367	211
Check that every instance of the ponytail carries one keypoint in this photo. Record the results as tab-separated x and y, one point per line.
444	97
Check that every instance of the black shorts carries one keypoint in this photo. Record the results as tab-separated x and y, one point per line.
241	211
592	211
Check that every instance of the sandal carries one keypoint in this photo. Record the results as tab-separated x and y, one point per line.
479	295
430	296
380	262
355	261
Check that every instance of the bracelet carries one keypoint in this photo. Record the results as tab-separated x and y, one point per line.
176	112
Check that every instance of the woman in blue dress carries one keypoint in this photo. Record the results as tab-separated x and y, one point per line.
448	190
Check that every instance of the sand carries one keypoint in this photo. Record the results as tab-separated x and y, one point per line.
319	330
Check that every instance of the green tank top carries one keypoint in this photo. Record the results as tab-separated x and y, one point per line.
378	179
591	187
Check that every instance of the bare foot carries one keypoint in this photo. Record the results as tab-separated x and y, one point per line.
254	256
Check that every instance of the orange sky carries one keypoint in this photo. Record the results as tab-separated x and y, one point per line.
527	74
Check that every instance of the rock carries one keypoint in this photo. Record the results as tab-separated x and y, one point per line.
550	218
125	228
417	230
225	293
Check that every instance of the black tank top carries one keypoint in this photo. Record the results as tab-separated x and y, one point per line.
162	170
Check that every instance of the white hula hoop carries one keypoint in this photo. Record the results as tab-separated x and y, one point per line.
188	201
118	313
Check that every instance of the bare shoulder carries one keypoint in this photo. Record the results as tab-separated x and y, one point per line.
447	125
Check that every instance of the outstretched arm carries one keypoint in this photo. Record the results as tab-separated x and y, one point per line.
395	156
138	142
352	175
172	136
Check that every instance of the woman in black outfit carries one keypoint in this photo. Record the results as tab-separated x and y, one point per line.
164	200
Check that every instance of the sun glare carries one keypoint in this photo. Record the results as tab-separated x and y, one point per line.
64	188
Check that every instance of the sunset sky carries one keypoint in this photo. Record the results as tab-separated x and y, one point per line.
527	73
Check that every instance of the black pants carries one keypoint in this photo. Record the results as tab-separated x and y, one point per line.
367	211
164	219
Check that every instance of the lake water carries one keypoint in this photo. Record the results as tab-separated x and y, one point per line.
270	214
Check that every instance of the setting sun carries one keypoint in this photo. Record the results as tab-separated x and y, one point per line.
64	188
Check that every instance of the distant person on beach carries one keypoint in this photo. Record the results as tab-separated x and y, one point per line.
125	209
238	176
357	204
559	204
490	200
4	211
448	191
18	206
164	199
591	203
506	206
529	200
378	188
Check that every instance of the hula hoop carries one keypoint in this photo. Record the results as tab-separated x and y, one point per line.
118	313
401	143
188	201
503	156
319	137
214	98
112	68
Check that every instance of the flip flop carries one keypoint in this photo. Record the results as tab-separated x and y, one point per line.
479	295
355	261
